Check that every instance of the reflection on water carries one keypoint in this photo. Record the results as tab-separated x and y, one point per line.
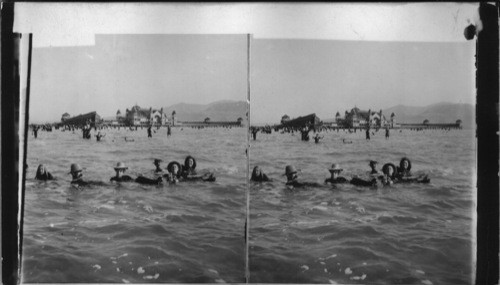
189	232
403	234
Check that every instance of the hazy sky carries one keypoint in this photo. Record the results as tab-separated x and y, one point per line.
299	77
318	57
150	70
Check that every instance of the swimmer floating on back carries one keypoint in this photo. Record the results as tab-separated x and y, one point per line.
148	181
389	171
188	171
174	172
335	178
157	163
404	169
373	166
189	166
120	173
372	181
43	174
404	173
76	172
291	177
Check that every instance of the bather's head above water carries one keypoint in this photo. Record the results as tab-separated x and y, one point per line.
41	170
389	169
157	163
256	172
120	169
76	171
190	163
291	173
174	168
405	164
335	170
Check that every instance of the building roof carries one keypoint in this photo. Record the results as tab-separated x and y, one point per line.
140	111
66	115
363	114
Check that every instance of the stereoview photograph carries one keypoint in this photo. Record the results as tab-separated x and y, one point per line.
136	161
363	161
240	143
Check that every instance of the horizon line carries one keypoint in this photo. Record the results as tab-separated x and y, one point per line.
235	101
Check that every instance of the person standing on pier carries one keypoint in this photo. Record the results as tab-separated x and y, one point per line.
169	131
368	133
149	132
387	133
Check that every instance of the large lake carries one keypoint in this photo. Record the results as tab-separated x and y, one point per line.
189	232
194	232
402	234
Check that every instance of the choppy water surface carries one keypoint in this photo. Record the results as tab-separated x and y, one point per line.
194	232
190	232
402	234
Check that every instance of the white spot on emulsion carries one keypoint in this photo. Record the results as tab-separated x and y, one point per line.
149	277
359	277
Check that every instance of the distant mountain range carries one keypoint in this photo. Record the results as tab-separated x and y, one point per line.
225	110
436	113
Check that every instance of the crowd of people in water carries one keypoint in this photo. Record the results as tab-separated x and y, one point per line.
388	175
173	173
87	127
305	129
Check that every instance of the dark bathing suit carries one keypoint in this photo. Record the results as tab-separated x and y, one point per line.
337	180
44	177
80	182
124	178
260	178
296	183
147	181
